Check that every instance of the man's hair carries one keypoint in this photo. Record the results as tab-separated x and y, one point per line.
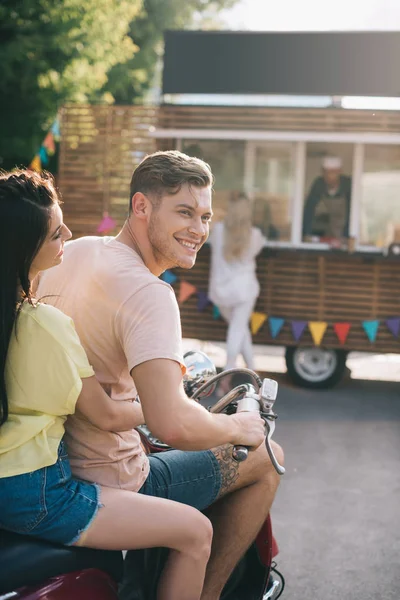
166	172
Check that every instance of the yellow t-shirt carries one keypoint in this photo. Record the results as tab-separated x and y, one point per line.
45	364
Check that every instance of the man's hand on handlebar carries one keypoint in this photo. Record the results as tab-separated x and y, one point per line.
250	429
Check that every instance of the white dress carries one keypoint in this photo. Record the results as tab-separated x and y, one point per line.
232	283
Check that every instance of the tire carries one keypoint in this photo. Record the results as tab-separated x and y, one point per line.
315	368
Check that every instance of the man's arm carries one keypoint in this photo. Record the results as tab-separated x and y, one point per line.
183	423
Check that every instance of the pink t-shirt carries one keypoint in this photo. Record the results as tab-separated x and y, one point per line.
124	316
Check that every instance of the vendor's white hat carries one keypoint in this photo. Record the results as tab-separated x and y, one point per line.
331	162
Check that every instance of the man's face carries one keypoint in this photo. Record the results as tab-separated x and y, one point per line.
331	177
179	226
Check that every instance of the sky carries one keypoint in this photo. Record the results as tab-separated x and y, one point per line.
314	15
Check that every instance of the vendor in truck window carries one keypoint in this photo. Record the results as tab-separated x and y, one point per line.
327	206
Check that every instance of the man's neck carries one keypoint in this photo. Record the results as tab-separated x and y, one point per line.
140	245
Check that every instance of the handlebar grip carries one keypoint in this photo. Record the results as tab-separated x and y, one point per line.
240	453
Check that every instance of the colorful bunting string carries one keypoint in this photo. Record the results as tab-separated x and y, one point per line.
216	312
185	291
371	329
317	330
342	331
275	323
169	277
47	148
298	328
393	325
107	224
257	321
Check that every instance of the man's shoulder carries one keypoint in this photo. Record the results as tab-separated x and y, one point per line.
86	242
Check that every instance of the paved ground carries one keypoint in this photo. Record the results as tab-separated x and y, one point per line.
337	513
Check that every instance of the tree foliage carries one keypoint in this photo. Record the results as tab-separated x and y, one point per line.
128	82
52	52
58	51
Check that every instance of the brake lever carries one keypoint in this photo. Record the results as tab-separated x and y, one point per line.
269	420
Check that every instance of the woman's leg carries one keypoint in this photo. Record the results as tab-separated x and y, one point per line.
234	334
247	350
247	343
128	520
239	336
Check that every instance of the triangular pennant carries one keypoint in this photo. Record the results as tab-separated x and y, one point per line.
43	156
298	328
55	130
202	300
169	277
342	331
185	291
49	144
317	329
216	313
371	329
275	325
257	321
393	325
107	224
36	164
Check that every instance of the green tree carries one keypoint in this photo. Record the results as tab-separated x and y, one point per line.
53	52
129	82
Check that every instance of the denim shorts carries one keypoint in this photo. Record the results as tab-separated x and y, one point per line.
48	503
192	478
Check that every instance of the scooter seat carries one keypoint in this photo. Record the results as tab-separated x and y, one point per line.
26	561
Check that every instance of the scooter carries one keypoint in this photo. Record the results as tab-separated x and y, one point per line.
32	569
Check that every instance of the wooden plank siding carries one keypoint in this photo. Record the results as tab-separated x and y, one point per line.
278	119
309	286
100	147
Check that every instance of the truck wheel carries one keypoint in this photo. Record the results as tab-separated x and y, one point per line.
315	368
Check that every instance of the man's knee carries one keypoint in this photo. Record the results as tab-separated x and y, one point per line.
265	469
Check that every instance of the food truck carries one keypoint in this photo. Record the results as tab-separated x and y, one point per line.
324	291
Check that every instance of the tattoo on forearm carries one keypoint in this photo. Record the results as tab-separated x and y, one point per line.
229	468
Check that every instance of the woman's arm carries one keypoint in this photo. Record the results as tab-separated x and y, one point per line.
107	414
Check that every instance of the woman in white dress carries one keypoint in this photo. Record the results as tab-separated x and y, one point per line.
233	284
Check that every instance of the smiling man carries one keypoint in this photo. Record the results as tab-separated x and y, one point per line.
128	321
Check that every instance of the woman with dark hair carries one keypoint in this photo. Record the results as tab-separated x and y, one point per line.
45	376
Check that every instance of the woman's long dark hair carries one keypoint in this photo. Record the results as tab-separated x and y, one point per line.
26	200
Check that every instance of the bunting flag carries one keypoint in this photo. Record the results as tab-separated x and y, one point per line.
44	159
371	329
185	291
169	277
216	313
47	148
393	325
257	321
202	301
55	129
342	331
298	328
107	224
36	164
275	325
317	329
49	143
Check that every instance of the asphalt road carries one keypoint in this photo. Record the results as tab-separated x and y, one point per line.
337	513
